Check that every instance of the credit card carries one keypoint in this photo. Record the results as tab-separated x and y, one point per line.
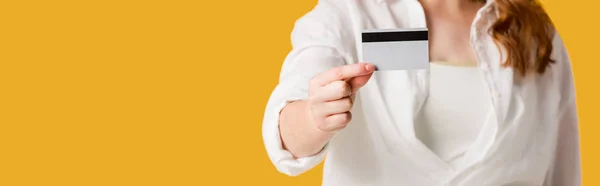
396	49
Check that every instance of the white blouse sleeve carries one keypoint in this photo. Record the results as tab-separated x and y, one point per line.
566	170
315	48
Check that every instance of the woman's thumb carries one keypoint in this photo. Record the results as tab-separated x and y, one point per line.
359	81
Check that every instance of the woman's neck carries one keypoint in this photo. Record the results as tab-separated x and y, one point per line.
452	7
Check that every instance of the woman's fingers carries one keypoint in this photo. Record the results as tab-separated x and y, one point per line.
336	114
325	109
358	82
337	106
342	73
340	89
337	121
333	91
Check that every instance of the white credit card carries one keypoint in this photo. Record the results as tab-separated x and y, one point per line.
396	49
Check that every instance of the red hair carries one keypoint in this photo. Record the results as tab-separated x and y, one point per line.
525	31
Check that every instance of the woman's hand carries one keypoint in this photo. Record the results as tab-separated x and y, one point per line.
331	95
306	126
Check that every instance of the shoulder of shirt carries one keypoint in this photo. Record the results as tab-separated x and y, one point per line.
561	57
563	70
338	8
327	19
327	11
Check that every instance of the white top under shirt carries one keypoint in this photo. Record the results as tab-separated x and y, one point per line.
454	111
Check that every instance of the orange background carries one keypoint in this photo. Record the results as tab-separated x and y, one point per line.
173	92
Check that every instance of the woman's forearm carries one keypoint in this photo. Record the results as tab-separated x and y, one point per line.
299	136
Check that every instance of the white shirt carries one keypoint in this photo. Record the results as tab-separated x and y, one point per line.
532	138
454	112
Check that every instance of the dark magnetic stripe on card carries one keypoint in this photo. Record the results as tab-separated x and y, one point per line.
421	35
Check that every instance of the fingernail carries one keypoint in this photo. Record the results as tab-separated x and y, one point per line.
368	67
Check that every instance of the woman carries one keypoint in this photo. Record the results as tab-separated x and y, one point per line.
496	107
